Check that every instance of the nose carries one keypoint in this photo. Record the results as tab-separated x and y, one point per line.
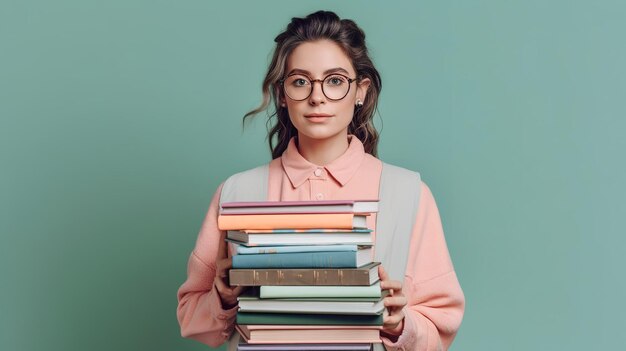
317	94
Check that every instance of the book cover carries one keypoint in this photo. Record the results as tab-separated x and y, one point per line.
332	259
365	276
286	221
276	292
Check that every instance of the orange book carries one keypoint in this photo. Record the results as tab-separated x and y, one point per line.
292	221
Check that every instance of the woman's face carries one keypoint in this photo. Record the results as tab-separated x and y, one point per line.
318	117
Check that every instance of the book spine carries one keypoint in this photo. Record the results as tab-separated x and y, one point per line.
285	221
309	231
258	277
276	292
338	259
307	319
308	347
242	250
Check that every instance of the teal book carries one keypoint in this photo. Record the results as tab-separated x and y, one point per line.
324	259
315	291
251	318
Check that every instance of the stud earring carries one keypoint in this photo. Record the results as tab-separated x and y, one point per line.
359	103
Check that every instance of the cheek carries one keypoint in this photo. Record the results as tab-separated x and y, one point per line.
347	111
293	110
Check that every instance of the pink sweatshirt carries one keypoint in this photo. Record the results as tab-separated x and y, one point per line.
435	299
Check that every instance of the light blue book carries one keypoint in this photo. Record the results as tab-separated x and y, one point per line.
325	259
242	250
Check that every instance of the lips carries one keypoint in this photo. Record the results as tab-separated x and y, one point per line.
320	118
317	115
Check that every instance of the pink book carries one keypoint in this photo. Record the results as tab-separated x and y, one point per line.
291	207
286	334
304	326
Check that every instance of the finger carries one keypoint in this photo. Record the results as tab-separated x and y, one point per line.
382	274
228	263
227	294
395	317
392	321
223	265
395	301
384	277
222	272
391	284
238	290
220	285
222	249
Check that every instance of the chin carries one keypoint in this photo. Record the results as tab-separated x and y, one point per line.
318	133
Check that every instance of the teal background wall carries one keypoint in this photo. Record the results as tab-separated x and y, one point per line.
118	119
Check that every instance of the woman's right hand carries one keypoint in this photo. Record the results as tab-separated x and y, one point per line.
228	295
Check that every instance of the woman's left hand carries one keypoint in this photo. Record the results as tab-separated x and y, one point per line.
393	324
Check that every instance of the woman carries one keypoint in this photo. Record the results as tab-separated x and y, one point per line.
324	89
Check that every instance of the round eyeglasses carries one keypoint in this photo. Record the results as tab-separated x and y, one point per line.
299	87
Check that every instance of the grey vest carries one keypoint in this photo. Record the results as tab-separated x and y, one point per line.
399	195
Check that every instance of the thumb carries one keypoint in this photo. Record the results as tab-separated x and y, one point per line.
238	290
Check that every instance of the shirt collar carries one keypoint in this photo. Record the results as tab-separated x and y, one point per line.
299	169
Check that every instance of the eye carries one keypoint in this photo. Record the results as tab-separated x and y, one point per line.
298	81
336	80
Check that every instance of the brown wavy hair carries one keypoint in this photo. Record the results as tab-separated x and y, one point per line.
317	26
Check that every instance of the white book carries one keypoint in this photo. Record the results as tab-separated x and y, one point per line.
266	239
255	304
324	206
314	291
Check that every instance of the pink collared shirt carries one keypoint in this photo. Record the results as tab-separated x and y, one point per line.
435	300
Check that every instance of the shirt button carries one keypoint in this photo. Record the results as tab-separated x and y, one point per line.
318	172
320	196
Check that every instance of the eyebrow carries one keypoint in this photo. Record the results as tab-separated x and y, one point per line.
332	70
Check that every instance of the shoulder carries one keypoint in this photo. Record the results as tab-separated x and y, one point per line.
401	174
404	178
251	172
248	185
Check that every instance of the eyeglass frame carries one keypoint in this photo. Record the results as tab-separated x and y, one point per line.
321	81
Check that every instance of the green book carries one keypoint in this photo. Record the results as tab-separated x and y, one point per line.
288	291
252	318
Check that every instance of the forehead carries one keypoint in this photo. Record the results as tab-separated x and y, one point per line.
317	57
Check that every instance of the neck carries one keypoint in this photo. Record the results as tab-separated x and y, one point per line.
322	151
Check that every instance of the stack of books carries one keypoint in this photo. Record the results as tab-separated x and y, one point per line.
315	286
